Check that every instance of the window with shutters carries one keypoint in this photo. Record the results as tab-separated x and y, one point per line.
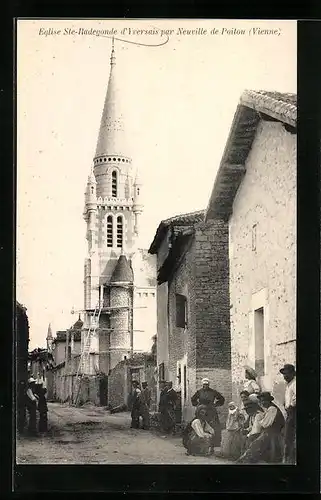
114	184
109	231
181	311
120	231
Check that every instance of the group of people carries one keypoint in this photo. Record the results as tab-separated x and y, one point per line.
139	403
36	400
257	431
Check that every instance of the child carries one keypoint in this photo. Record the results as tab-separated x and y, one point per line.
232	442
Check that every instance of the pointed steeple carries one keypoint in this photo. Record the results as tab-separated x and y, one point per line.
111	139
49	338
49	334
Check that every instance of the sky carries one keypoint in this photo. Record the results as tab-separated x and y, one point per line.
180	98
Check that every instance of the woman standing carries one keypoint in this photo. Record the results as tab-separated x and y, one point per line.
198	435
250	385
211	399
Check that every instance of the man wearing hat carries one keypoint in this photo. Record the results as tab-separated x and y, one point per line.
31	403
211	399
289	375
42	405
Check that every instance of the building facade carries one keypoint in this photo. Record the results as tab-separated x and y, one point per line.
255	192
193	331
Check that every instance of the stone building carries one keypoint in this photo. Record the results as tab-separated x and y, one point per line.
193	331
255	193
119	276
21	348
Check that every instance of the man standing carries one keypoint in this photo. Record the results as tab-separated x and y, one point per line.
42	406
162	404
211	399
145	398
135	405
171	402
289	375
31	403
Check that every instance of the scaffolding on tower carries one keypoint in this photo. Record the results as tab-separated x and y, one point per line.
85	348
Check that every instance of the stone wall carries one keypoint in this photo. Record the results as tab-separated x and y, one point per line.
262	248
204	345
117	385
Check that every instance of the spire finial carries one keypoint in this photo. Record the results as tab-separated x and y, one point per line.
112	57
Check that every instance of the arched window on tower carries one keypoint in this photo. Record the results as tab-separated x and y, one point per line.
114	184
120	232
110	231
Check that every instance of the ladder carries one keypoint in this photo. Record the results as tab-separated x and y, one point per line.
85	352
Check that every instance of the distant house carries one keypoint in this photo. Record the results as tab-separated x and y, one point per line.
140	367
255	192
193	331
66	349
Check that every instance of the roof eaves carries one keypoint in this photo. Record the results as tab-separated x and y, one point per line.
272	105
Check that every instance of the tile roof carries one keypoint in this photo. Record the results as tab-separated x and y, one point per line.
282	106
253	107
180	220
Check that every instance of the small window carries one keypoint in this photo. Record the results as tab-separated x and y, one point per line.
109	231
181	311
114	184
259	341
179	375
119	232
161	372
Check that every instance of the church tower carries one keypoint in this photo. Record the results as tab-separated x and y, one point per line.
112	210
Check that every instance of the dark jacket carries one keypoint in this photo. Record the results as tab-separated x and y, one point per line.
171	398
207	397
162	400
146	397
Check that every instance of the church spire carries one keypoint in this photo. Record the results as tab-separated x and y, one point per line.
112	138
49	338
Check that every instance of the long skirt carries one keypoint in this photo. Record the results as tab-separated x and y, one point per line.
168	420
266	447
196	445
135	413
43	421
232	444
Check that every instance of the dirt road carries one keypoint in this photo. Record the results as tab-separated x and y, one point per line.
90	435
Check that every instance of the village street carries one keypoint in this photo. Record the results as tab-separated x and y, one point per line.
90	435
